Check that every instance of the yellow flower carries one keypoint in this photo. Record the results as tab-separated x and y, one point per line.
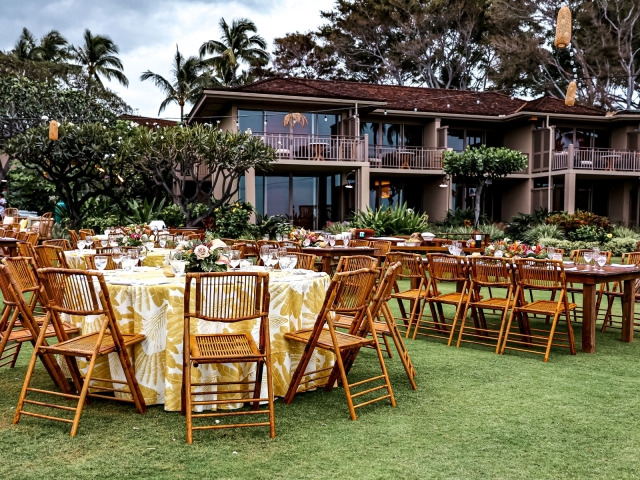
234	210
609	235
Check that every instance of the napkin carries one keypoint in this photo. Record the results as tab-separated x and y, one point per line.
621	266
124	281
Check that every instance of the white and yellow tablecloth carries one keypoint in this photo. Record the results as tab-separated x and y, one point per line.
76	258
147	302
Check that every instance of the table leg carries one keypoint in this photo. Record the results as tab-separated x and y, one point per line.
589	318
628	304
326	263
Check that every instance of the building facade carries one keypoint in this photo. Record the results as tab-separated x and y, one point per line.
385	144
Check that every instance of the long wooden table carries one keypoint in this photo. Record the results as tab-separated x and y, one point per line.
10	246
328	253
590	278
423	249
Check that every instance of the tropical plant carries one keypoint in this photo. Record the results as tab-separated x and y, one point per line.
270	226
236	45
475	166
589	233
28	190
231	220
172	216
535	233
185	85
190	162
52	47
143	213
570	222
99	56
460	217
620	231
397	220
336	227
522	222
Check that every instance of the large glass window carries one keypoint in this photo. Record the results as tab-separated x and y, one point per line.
385	193
250	119
413	135
474	138
371	129
455	139
275	122
581	138
564	138
391	134
326	124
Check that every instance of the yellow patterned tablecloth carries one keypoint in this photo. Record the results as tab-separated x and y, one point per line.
152	304
75	258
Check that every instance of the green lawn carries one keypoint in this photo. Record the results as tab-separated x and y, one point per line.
475	415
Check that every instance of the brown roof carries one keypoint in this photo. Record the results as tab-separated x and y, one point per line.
409	98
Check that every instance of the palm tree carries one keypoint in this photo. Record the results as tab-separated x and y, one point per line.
99	56
236	46
54	47
26	47
187	82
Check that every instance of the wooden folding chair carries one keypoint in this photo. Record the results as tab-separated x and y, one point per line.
91	264
251	248
21	236
50	256
413	271
306	261
24	271
494	275
291	246
59	242
25	249
356	262
540	276
349	294
615	320
74	238
81	293
10	234
380	249
443	269
32	238
86	234
229	241
358	243
227	298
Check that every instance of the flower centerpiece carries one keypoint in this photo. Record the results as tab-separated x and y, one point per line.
204	256
135	236
300	236
515	249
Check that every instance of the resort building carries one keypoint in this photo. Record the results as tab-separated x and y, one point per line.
384	144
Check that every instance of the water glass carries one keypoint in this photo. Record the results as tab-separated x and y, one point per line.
81	244
264	254
100	262
498	253
246	264
284	262
234	259
588	256
345	239
163	241
116	256
557	256
178	267
128	263
104	243
332	240
142	254
293	261
551	252
602	261
273	258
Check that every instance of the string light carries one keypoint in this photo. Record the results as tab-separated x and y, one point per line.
325	118
385	112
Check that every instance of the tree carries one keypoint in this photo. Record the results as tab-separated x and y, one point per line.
84	163
99	56
192	162
186	83
52	47
475	166
26	48
302	55
26	104
237	45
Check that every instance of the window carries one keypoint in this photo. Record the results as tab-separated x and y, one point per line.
371	129
413	135
391	134
581	138
474	138
325	124
455	139
250	119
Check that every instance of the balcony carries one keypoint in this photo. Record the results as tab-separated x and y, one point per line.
412	158
316	147
596	159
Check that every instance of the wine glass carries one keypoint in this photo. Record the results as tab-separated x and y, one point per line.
345	240
133	255
498	253
279	237
451	247
284	262
551	252
588	256
332	240
234	259
178	267
142	253
602	261
272	258
100	262
116	256
81	244
557	256
127	263
595	250
293	260
163	241
264	253
104	243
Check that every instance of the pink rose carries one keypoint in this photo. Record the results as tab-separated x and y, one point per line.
201	252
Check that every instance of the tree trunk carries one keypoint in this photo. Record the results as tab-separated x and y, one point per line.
477	201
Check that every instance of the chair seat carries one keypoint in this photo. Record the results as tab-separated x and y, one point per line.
409	294
224	347
345	341
84	345
491	302
24	335
542	306
452	298
344	321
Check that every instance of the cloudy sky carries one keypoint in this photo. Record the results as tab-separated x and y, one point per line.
147	31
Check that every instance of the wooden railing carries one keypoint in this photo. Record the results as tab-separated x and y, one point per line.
316	147
417	158
597	159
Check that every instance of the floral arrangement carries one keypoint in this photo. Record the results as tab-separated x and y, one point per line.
515	249
299	235
204	256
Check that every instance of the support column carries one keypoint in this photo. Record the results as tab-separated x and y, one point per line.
570	192
362	186
626	203
250	190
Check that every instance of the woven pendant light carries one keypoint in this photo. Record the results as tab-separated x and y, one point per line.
570	99
563	28
53	130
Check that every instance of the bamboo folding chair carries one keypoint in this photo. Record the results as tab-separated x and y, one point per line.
251	248
611	319
227	298
380	249
10	234
81	293
2	232
25	249
271	243
229	241
358	243
487	273
59	242
21	236
443	269
540	276
240	247
86	234
306	261
24	271
577	257
74	238
349	294
50	256
32	238
413	271
292	246
91	263
356	262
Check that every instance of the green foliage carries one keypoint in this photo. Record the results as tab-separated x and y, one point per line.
100	213
567	245
461	217
522	222
621	245
28	190
535	233
620	231
336	227
143	213
475	165
617	246
231	220
571	222
495	232
172	216
588	233
270	226
60	230
397	220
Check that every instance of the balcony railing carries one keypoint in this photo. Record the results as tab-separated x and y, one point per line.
597	159
417	158
316	147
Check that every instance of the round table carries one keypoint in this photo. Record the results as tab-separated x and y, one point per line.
328	254
148	302
75	258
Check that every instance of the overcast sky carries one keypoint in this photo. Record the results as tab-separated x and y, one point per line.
147	31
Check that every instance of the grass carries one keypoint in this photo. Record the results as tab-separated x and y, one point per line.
475	415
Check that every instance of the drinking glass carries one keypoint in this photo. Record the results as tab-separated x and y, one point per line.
264	253
234	259
81	244
551	252
245	264
557	256
178	267
128	263
273	258
451	247
293	260
100	262
104	243
284	262
332	240
587	259
602	261
595	250
150	246
163	241
142	254
279	237
116	256
345	240
498	253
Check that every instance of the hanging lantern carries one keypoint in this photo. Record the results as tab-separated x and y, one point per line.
53	130
570	99
563	28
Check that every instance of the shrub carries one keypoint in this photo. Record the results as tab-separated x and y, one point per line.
99	224
269	226
232	220
567	245
588	233
618	246
398	220
172	216
523	222
495	232
534	234
620	231
336	227
572	222
462	217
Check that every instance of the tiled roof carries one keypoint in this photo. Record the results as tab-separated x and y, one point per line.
409	98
